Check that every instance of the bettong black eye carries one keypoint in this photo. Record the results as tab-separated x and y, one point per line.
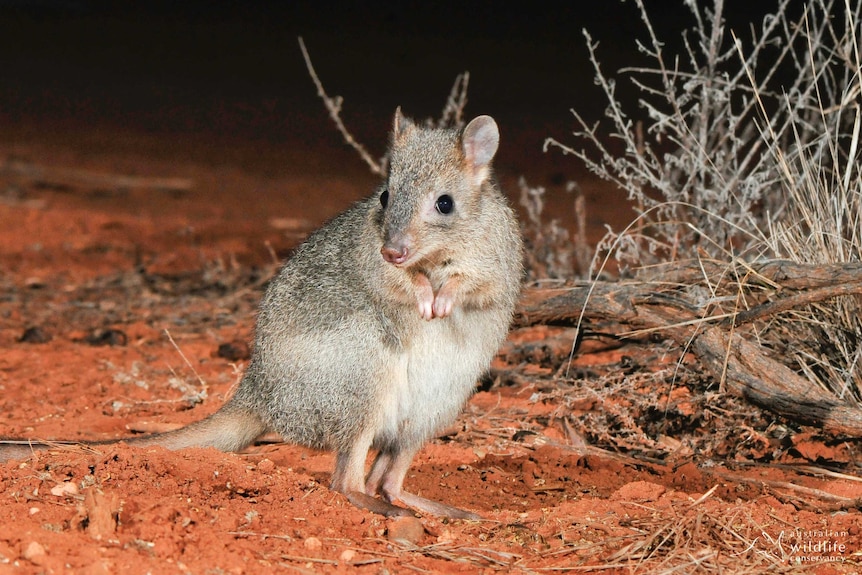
445	204
384	198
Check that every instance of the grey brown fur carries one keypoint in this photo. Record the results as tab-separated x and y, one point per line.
373	335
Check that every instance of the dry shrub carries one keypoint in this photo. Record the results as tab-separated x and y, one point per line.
551	253
747	151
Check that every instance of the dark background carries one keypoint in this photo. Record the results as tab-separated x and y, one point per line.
205	76
234	67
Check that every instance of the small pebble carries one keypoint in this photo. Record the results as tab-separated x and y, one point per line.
265	466
406	530
35	553
64	489
347	555
312	544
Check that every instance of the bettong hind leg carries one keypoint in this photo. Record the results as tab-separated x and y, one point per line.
348	479
386	478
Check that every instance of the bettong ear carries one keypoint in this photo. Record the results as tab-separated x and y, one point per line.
400	124
480	141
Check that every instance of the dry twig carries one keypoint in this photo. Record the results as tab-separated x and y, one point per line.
333	106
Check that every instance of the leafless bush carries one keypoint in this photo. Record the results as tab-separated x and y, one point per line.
699	175
744	150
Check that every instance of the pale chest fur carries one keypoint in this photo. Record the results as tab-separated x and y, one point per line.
431	377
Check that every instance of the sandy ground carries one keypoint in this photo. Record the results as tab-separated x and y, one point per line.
128	309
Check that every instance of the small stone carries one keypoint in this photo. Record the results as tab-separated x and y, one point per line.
406	530
35	553
64	489
347	556
266	466
312	544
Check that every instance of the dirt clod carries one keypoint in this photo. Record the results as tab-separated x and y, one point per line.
639	491
35	335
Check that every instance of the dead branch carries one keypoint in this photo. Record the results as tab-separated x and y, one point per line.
333	106
743	367
808	497
776	274
798	300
